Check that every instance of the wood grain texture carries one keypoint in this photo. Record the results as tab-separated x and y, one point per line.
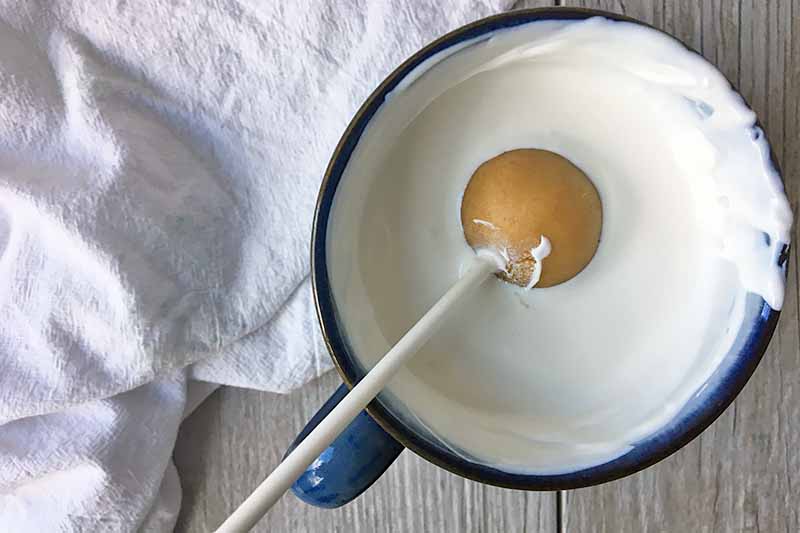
742	474
236	438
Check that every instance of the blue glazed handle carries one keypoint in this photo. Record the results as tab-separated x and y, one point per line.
354	461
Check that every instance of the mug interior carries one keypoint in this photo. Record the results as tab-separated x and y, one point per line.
726	381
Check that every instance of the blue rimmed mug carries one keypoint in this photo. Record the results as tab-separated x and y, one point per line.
377	436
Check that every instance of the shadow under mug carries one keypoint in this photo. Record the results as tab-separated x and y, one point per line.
376	437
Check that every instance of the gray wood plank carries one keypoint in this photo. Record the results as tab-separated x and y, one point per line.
743	473
237	436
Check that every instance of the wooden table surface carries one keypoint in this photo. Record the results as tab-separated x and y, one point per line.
742	474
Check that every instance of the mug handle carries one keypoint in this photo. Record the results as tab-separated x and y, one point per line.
353	462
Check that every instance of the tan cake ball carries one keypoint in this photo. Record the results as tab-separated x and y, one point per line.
514	199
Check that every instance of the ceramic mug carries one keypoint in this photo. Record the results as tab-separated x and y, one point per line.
377	436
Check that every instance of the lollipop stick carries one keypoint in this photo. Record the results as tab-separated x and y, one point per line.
287	472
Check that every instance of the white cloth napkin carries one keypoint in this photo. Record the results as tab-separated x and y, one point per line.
159	163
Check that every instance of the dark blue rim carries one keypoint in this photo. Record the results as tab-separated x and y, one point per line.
647	452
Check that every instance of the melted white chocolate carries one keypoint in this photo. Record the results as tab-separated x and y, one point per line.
694	219
538	253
